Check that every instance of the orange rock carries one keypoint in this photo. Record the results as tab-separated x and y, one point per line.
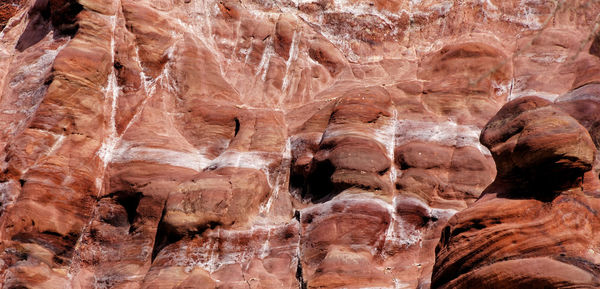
285	144
535	224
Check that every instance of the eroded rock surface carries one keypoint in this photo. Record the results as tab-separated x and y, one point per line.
279	144
536	226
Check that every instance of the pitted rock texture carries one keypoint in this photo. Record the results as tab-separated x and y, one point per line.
277	144
536	226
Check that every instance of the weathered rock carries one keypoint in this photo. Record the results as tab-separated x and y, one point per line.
536	225
274	144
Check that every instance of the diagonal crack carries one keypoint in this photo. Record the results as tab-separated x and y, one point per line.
299	273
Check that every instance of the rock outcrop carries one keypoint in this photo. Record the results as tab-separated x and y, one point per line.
280	144
536	226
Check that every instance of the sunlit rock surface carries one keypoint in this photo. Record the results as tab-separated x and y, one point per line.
537	225
287	144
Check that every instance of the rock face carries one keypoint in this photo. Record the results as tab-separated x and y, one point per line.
296	144
537	225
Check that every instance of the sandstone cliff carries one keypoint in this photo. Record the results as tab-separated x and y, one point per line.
297	144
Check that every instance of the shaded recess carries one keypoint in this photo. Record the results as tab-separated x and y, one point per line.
166	235
130	202
595	47
59	16
316	185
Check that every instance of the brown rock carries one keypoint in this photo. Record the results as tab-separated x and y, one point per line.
535	225
276	144
217	198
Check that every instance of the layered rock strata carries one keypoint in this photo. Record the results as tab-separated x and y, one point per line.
261	144
536	226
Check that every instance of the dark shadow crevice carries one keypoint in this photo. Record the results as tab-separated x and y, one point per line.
59	16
